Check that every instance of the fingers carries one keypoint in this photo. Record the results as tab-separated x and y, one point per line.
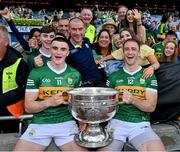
33	43
146	75
38	61
148	72
55	100
127	97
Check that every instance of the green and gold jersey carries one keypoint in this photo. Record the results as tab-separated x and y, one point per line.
48	82
158	47
163	29
133	82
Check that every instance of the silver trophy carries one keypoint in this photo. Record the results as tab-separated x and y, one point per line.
93	105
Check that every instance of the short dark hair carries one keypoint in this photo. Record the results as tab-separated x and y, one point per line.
47	29
170	32
132	40
165	17
60	39
32	31
59	34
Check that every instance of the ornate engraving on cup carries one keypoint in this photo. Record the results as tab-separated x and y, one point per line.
93	105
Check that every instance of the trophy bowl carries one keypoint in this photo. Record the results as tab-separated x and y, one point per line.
93	105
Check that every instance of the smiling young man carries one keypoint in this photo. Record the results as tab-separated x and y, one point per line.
137	97
44	99
39	57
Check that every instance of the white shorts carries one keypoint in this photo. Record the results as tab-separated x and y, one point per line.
42	134
136	133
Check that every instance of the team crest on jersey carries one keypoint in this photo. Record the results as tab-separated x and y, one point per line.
32	132
131	80
142	81
70	81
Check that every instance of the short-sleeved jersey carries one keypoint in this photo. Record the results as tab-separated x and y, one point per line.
133	82
145	51
48	82
158	47
163	29
150	39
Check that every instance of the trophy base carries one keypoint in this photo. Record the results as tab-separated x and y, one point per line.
91	144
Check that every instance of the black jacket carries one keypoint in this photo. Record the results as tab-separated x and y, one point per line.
17	94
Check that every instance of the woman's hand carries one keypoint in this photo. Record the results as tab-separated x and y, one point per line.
148	72
137	14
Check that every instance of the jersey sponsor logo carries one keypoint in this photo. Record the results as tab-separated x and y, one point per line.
137	91
45	92
46	80
119	81
131	80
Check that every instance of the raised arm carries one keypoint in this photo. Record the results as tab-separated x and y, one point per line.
141	31
6	15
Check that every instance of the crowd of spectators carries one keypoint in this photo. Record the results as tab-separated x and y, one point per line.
95	41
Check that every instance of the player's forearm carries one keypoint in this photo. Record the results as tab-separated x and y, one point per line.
35	106
144	105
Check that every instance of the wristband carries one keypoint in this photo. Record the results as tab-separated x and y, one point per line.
139	24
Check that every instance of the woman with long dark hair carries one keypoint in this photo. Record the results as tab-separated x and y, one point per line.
133	22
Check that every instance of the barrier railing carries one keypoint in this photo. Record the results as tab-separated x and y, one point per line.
21	118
